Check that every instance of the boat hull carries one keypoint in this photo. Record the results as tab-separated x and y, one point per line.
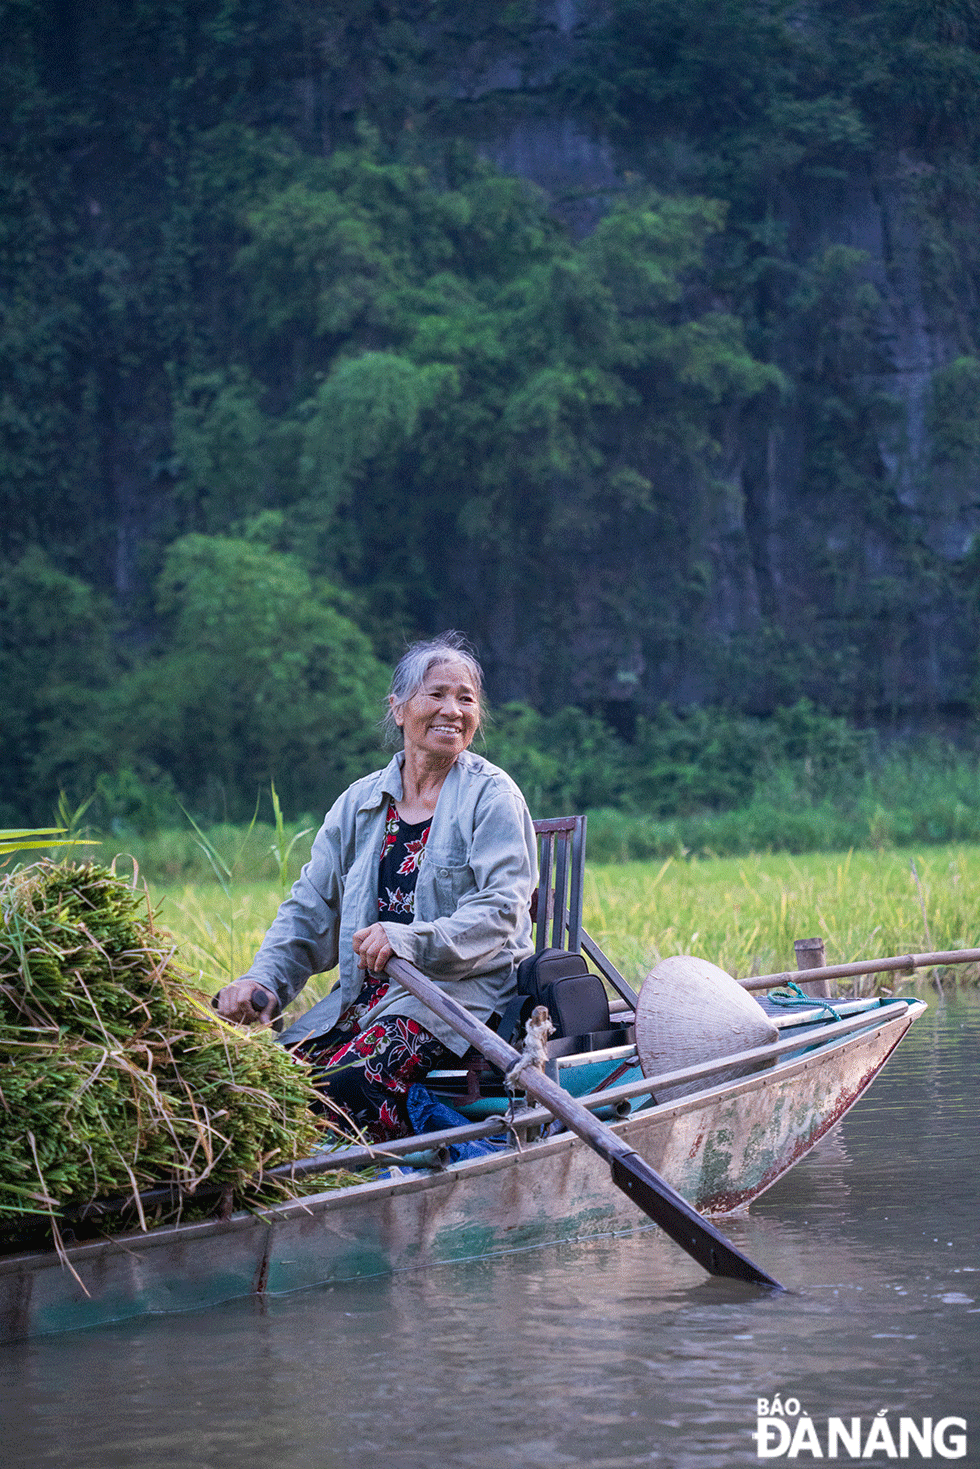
720	1148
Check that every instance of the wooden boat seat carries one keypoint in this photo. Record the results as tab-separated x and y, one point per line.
558	920
556	913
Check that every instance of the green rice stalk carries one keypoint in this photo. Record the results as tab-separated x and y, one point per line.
115	1073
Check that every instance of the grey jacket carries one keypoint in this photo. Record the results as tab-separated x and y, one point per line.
472	923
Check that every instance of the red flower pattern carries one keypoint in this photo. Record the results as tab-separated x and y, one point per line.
401	857
414	852
367	1072
391	1055
397	901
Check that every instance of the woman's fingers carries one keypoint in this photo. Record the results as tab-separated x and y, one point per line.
246	1002
372	948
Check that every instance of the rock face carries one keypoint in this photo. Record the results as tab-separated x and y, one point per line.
872	577
844	569
823	544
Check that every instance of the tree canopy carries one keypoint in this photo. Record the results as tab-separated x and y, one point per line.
292	371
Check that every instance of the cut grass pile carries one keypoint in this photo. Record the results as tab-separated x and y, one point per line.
115	1074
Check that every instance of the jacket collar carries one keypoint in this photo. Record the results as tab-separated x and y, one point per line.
388	782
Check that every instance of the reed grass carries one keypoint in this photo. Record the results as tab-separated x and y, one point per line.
256	852
742	913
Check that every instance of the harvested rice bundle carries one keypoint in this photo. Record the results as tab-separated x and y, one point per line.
114	1073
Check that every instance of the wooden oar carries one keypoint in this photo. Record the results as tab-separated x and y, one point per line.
630	1172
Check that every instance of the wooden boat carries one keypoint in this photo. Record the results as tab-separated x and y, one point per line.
720	1146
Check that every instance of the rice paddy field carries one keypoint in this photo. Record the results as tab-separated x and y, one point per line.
742	913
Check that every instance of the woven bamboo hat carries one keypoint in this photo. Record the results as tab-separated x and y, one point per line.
691	1011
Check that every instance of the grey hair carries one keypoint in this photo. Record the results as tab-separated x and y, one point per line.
414	664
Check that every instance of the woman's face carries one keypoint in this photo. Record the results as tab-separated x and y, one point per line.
442	717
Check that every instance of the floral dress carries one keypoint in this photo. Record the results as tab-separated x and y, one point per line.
367	1073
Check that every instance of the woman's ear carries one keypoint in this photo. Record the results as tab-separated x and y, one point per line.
396	711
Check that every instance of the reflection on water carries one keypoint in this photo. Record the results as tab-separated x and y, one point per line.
615	1353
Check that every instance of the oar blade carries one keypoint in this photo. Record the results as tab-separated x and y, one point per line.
684	1225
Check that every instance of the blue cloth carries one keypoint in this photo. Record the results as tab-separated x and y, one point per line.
427	1114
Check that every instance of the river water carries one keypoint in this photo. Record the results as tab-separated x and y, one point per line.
613	1353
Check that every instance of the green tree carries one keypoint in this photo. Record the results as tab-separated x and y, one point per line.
223	452
262	678
57	673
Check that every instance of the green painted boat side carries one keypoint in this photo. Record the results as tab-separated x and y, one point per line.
720	1147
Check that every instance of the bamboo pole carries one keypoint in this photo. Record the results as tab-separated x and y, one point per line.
865	966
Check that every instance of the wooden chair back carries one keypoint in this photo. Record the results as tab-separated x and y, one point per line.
556	907
561	880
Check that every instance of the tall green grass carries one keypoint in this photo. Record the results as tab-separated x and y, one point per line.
741	913
260	852
927	796
745	913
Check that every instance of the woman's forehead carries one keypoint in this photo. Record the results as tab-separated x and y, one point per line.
449	671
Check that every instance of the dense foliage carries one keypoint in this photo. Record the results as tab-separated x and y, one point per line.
291	372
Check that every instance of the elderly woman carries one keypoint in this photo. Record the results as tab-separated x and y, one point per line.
432	859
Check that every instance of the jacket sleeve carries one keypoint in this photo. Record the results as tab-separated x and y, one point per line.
303	937
494	899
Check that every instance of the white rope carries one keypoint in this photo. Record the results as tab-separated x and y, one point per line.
536	1032
534	1054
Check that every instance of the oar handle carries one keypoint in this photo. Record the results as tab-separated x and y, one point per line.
260	999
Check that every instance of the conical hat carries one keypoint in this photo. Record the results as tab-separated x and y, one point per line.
691	1011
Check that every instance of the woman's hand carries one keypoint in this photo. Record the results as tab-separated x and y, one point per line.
372	948
237	1001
